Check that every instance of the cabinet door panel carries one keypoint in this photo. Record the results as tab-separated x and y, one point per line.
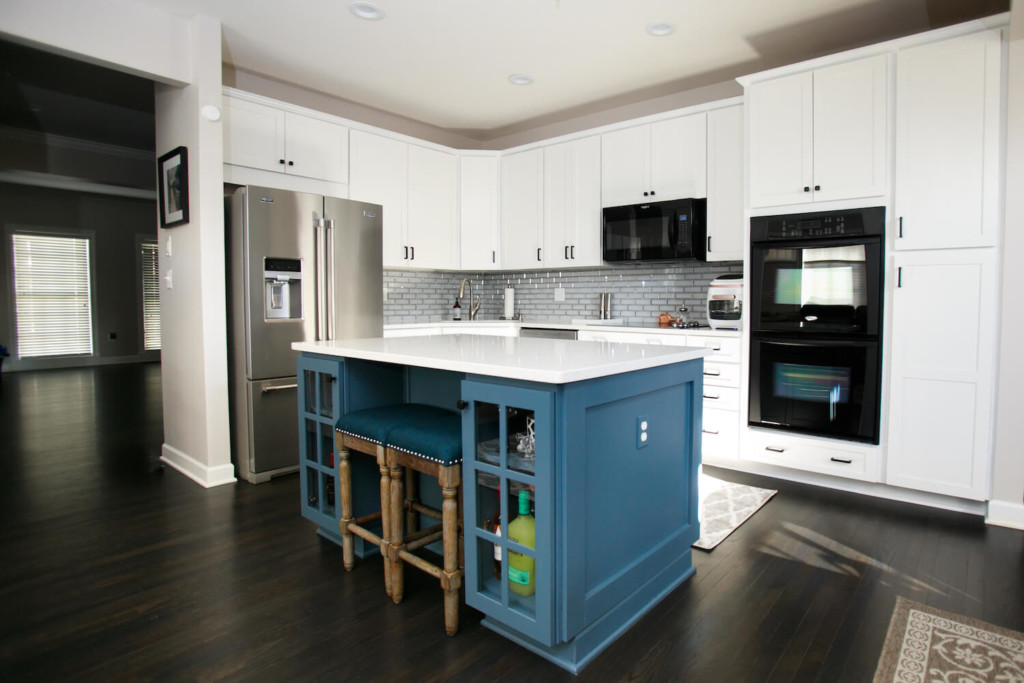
780	140
725	185
942	373
253	135
625	166
522	211
850	115
947	143
433	206
679	157
478	219
316	149
572	203
380	169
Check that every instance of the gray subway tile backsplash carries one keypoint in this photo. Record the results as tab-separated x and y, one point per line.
639	292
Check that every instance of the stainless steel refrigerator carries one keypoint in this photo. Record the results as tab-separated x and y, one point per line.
300	267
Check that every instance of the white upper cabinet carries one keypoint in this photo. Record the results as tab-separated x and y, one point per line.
380	172
725	239
820	135
947	143
942	374
655	162
263	137
478	211
522	209
572	203
433	234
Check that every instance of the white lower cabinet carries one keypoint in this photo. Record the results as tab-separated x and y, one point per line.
824	456
943	367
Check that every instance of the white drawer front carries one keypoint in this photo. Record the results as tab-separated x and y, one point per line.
787	451
721	374
720	438
725	348
721	398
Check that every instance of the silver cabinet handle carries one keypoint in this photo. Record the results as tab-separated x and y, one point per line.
710	431
278	387
713	398
717	373
845	461
774	449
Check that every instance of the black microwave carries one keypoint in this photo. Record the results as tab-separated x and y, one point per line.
654	231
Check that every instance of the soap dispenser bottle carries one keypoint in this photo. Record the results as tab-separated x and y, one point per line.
457	310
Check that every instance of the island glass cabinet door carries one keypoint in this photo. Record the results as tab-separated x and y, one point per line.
509	448
320	403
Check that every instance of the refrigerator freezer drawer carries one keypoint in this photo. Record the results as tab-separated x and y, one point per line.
273	429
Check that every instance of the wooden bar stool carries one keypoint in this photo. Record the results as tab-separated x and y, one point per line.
366	431
431	445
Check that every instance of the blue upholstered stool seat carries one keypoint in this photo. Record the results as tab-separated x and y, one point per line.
437	438
374	424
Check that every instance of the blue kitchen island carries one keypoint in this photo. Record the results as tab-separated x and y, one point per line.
604	438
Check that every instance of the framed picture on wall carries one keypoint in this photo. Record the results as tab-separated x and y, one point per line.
172	177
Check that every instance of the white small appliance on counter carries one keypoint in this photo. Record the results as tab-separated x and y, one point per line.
725	302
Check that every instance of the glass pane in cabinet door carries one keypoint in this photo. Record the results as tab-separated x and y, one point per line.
313	488
309	399
328	493
521	427
311	440
326	394
487	428
326	445
488	502
520	570
489	573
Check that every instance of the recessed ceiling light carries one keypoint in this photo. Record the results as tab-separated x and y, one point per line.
520	79
367	10
660	28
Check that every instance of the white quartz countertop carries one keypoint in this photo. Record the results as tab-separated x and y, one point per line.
552	361
576	324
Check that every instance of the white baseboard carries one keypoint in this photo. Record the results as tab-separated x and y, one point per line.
1002	513
206	477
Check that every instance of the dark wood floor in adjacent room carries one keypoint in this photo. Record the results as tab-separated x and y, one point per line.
115	568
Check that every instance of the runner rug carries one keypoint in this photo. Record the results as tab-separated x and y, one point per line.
926	644
724	506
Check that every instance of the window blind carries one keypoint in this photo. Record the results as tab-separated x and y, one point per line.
52	301
150	296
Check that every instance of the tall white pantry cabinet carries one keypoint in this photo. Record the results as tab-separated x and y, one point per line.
946	266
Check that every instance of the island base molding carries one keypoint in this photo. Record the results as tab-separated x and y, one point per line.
204	475
578	652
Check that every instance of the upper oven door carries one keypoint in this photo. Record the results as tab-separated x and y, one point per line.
828	286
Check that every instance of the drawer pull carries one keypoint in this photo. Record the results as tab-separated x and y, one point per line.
710	431
713	373
845	461
775	449
715	348
711	398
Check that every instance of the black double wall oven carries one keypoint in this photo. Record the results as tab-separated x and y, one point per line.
816	322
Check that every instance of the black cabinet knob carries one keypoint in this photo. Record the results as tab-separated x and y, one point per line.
806	188
652	193
461	405
291	163
645	194
817	188
280	161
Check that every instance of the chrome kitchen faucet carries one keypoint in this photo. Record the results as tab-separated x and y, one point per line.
473	308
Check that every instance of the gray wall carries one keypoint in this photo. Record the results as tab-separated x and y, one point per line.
639	292
115	223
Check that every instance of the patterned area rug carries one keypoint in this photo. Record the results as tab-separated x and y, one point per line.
926	644
724	506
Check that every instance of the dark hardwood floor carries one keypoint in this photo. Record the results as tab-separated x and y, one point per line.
115	568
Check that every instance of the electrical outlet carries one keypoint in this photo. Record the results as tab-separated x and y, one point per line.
167	246
169	279
642	436
559	294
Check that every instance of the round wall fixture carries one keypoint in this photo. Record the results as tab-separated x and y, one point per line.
210	112
520	79
367	10
660	29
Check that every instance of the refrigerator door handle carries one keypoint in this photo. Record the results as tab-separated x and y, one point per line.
329	277
321	284
278	387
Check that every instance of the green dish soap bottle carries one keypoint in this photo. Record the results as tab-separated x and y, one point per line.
521	576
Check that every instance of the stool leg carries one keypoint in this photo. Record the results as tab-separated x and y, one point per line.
345	481
451	578
411	494
397	496
385	515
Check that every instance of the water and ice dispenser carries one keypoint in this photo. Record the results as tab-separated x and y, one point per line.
282	286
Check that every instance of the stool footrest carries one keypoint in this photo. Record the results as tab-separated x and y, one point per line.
413	506
372	517
423	538
421	564
366	534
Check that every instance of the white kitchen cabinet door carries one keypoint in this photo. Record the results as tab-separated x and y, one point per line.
315	148
572	203
522	209
942	371
478	207
679	158
947	143
380	172
850	140
253	135
432	231
625	166
725	239
781	140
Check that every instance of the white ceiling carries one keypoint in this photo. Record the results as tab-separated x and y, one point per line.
446	62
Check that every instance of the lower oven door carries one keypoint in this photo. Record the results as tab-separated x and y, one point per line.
821	387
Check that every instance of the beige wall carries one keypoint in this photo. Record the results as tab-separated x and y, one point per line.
1008	472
